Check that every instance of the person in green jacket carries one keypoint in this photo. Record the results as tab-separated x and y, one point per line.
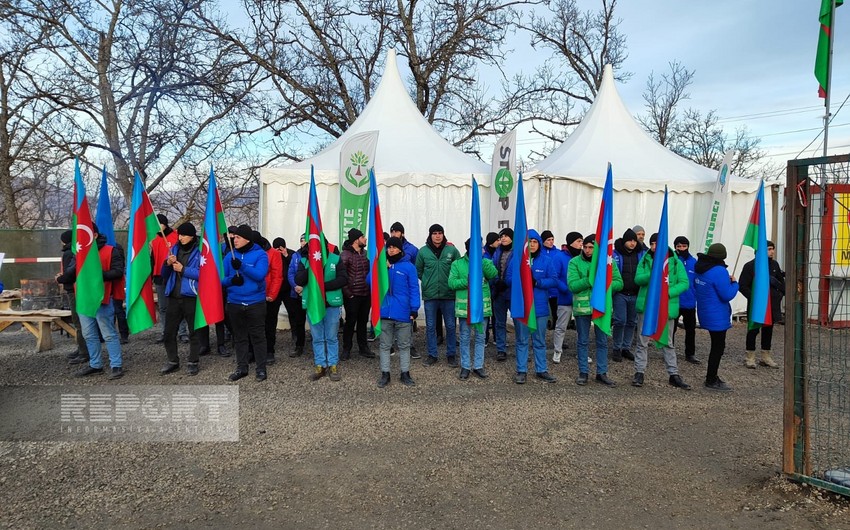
678	283
433	264
459	281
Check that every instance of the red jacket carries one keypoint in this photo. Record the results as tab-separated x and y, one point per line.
274	278
159	250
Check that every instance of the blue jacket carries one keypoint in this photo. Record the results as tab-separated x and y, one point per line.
714	291
410	250
290	272
495	290
255	266
189	284
543	273
688	299
402	298
553	254
561	260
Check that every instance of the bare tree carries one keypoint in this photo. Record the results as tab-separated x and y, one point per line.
662	97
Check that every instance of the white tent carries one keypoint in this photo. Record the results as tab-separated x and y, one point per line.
422	179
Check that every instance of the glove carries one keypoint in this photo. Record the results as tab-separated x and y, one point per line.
414	314
237	280
236	264
536	284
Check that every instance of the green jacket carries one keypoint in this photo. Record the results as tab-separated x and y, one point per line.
578	280
679	282
434	272
459	282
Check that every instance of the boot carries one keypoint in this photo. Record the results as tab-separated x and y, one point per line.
766	359
318	373
385	379
406	380
333	373
750	362
617	355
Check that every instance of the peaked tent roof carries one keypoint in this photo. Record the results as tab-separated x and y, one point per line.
409	151
609	133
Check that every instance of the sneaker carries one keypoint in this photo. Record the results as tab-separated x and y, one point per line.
168	368
270	358
370	336
546	377
603	378
480	373
413	354
556	357
406	380
79	359
222	351
463	375
581	380
318	373
71	355
501	356
192	369
116	373
718	385
261	376
184	339
367	353
638	379
519	378
676	380
692	359
384	380
87	370
628	355
452	361
430	361
237	375
345	355
334	373
617	355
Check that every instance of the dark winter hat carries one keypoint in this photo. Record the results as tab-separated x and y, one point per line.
507	232
546	234
653	238
629	235
232	229
244	231
572	236
65	237
279	242
681	240
354	234
256	237
187	229
386	236
717	250
492	237
397	227
395	242
162	219
590	239
466	244
94	228
436	228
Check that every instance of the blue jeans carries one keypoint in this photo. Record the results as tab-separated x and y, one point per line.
538	341
105	320
465	331
583	331
624	320
326	339
448	309
501	304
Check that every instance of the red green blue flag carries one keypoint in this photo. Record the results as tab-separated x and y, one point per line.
141	310
522	286
758	309
103	216
89	288
377	252
656	313
601	271
317	253
822	58
209	306
475	313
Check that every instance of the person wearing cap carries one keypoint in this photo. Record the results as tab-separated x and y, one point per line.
777	291
687	300
626	256
66	279
293	302
399	308
641	236
245	278
715	289
543	278
677	283
565	296
325	331
103	324
549	249
165	239
180	275
433	265
410	250
579	278
356	296
500	292
459	282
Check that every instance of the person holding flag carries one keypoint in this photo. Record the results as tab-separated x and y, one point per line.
777	291
674	279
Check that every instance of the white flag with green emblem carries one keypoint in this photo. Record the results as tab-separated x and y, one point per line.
356	158
503	184
714	224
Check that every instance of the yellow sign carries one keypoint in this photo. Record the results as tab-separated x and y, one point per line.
841	220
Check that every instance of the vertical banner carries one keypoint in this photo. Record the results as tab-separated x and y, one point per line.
356	159
714	225
503	183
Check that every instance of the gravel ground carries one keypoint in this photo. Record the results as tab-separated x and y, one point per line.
445	454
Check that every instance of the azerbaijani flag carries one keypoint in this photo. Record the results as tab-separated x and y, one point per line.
141	310
758	309
377	252
103	216
522	285
89	286
209	306
656	313
475	308
317	253
822	57
601	272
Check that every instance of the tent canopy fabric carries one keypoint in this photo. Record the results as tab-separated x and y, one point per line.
609	133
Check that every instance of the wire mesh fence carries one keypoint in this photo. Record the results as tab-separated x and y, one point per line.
816	445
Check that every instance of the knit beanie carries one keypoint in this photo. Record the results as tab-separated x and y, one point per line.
507	232
354	234
492	237
572	236
681	240
546	234
629	235
395	242
436	228
245	232
717	250
397	227
187	229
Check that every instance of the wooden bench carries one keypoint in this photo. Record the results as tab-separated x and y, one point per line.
39	323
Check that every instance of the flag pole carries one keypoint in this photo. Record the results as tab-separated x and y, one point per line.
826	103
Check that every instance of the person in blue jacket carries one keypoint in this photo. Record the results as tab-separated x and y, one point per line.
715	288
687	300
399	308
543	276
180	277
245	279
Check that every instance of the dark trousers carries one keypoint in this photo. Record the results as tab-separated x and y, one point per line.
204	336
553	311
297	320
177	310
75	318
689	322
272	310
356	315
766	338
249	324
718	346
121	318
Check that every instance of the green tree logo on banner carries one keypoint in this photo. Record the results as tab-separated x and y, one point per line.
358	160
504	182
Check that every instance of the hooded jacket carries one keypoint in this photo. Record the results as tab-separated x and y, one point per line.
579	282
459	282
402	298
627	261
714	290
678	282
255	266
